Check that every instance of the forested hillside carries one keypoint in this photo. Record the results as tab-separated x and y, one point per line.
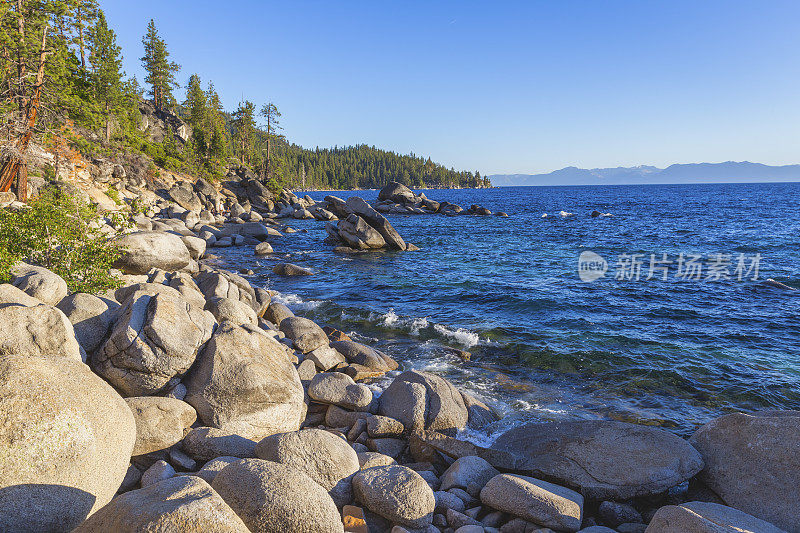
62	88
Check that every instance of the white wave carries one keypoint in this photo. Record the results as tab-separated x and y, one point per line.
418	324
295	302
390	319
462	336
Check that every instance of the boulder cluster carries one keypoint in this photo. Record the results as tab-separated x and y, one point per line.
190	400
396	198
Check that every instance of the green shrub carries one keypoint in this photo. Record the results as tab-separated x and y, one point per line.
57	232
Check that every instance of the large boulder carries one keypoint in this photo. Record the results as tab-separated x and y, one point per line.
160	422
205	443
398	193
244	382
705	517
270	496
327	459
40	330
305	333
224	284
10	295
605	460
534	500
66	438
396	493
154	342
144	250
39	282
91	317
753	463
234	311
360	354
376	220
423	401
183	194
469	473
355	231
339	389
184	503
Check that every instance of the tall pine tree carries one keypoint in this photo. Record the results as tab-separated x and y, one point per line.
106	60
160	70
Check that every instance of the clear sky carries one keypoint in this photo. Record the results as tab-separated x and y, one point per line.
501	87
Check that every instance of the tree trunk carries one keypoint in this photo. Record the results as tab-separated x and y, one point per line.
108	122
80	39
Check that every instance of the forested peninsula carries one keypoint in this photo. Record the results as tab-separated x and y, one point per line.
64	92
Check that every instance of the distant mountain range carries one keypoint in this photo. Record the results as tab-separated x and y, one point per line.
728	172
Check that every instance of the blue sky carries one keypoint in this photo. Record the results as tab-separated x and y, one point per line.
501	87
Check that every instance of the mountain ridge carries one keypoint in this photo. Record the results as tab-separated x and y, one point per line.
725	172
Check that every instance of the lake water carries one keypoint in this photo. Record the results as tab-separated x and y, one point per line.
673	352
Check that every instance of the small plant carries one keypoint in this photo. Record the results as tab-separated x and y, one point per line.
114	195
58	232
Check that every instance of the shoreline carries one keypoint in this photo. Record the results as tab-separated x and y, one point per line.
230	398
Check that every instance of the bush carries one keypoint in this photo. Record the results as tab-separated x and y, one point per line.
57	232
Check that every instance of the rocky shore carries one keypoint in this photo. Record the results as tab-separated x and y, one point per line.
188	400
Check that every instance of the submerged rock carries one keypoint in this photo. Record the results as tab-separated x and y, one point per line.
289	269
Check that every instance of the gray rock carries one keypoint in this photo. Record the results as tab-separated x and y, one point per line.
703	517
214	467
383	426
181	461
159	471
336	417
305	334
307	370
39	283
244	383
390	447
422	401
355	231
534	500
339	389
753	464
205	444
154	342
376	220
195	245
360	354
224	284
66	441
269	496
91	318
325	357
233	311
370	459
41	330
160	422
184	503
264	248
10	295
131	480
327	459
277	312
447	500
398	193
615	513
289	269
396	493
144	250
605	459
469	473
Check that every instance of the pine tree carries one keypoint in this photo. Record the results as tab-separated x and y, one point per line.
196	108
160	70
244	127
106	60
272	117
